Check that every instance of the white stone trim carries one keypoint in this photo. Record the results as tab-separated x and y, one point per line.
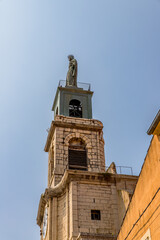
147	235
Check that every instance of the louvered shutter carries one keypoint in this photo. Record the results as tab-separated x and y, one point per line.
77	159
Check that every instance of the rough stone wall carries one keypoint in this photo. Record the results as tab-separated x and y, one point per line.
125	188
77	218
123	202
74	212
144	210
70	204
97	197
60	142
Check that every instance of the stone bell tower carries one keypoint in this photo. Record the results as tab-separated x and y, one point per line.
75	140
81	200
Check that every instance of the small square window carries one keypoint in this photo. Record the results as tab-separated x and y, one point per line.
95	215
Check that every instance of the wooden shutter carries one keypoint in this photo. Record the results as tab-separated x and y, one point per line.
77	159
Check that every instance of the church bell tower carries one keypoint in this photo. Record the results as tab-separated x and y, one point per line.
75	140
78	200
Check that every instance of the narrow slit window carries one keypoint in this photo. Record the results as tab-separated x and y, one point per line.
95	215
57	111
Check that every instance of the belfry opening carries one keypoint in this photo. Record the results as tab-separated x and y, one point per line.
77	155
75	108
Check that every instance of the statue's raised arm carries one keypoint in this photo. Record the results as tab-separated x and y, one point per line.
71	79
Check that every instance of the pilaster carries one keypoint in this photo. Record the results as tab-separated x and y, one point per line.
73	211
50	220
67	212
54	218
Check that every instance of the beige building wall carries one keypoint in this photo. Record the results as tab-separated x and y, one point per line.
95	197
143	214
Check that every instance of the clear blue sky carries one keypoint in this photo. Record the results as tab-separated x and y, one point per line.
117	45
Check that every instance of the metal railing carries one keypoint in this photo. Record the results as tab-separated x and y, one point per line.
84	86
123	170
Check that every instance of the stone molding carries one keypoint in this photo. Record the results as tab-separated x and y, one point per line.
77	135
90	236
73	123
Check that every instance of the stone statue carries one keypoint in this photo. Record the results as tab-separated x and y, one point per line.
71	79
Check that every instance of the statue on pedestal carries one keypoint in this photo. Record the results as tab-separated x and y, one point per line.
71	80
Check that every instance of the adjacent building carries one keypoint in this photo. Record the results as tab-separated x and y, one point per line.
142	219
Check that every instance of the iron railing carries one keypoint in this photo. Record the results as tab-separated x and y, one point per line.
84	86
123	170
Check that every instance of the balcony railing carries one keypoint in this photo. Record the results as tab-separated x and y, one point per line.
123	170
84	86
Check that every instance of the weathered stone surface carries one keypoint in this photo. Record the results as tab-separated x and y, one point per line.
90	131
77	194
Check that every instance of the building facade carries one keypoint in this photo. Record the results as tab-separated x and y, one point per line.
83	200
142	220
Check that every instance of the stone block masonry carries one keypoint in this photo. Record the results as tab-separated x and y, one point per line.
62	130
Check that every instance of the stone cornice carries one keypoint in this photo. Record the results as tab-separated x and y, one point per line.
71	123
95	236
75	90
78	176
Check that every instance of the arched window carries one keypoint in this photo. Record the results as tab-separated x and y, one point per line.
77	155
75	108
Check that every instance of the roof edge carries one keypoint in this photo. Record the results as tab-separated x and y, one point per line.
154	124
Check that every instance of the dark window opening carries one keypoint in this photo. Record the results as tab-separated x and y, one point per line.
77	155
57	111
95	215
75	108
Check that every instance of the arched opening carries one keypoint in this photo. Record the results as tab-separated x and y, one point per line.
75	108
77	154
